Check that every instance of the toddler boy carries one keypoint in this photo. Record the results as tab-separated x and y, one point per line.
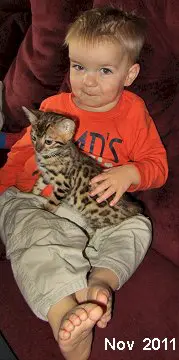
71	290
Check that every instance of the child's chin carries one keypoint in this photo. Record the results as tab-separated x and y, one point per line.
91	101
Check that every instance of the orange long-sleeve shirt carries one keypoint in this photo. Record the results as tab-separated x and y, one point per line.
121	135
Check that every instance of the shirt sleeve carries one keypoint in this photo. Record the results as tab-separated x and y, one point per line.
146	150
20	165
12	173
45	105
52	103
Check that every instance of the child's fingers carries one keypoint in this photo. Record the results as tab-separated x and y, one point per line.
115	200
98	178
110	191
100	188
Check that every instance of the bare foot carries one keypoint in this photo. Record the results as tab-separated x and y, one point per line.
101	294
75	334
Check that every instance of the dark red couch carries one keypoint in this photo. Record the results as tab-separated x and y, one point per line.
146	309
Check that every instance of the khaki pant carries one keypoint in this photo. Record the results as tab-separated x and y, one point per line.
51	256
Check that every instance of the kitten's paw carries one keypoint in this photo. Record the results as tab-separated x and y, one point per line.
36	191
50	207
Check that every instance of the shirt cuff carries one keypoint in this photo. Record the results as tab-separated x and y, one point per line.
136	187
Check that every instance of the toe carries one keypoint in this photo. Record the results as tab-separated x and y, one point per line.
81	313
92	311
68	325
75	319
64	335
103	296
101	324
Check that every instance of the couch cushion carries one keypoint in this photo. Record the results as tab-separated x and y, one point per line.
41	63
13	26
15	5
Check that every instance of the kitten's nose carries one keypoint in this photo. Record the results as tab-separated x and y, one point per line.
38	147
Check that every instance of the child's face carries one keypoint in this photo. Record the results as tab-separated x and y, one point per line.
98	75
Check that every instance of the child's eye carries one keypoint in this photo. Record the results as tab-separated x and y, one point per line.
106	71
48	142
78	67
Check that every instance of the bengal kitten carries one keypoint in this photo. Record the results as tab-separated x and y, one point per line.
69	170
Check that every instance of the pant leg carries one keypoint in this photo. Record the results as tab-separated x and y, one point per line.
46	251
121	248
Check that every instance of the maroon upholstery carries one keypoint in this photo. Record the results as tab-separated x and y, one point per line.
147	306
39	69
13	26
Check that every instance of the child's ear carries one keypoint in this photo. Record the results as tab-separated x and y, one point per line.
132	74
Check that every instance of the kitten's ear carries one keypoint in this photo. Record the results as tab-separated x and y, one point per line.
31	114
66	128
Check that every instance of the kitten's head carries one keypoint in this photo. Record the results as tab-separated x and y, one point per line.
50	131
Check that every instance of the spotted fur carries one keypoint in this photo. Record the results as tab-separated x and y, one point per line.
69	170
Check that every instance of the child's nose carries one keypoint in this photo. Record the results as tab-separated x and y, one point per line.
90	79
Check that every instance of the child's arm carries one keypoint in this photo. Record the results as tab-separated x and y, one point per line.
147	167
13	174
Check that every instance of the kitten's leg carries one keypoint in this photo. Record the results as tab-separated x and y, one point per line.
39	186
59	193
52	203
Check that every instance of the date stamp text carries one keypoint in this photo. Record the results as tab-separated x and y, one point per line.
147	344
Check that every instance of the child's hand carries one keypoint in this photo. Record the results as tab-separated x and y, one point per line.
116	181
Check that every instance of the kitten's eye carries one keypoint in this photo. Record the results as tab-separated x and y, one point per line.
48	142
33	137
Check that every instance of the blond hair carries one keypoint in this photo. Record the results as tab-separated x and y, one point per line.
112	25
